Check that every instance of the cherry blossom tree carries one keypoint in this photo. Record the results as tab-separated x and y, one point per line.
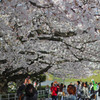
37	36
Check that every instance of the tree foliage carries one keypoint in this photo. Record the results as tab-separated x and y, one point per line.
38	35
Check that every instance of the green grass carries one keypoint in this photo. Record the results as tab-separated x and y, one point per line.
49	76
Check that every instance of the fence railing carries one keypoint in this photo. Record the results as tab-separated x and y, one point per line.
13	96
10	96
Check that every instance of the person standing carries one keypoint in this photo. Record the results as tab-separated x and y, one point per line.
95	88
61	91
71	89
65	92
78	90
30	93
54	92
99	90
85	91
47	91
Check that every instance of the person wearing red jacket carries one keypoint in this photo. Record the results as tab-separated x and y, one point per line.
54	91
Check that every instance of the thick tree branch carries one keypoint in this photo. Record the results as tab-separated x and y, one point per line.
3	61
39	6
50	38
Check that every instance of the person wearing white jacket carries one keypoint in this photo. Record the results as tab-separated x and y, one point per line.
85	91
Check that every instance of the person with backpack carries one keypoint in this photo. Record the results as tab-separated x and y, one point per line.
30	93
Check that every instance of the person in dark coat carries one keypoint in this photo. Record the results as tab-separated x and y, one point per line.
30	93
20	91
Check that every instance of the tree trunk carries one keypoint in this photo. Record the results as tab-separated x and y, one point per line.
3	88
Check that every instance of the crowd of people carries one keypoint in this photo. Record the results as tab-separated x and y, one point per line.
58	91
77	91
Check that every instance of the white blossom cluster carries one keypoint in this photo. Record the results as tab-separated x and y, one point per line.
61	33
